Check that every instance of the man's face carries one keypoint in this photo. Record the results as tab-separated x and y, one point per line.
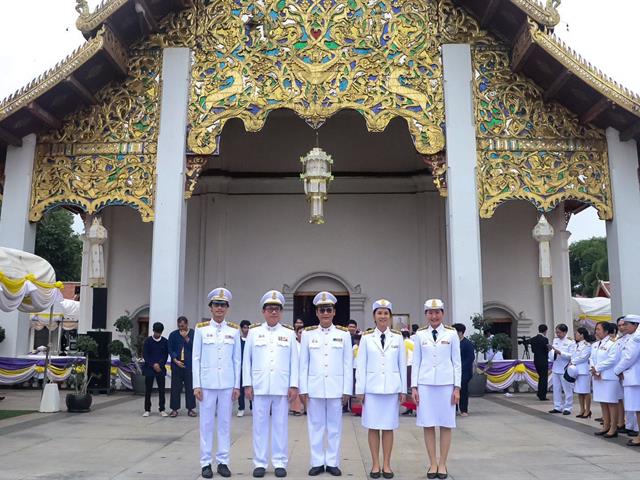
157	335
352	328
434	317
183	326
382	317
219	310
630	328
325	314
245	331
560	334
272	314
622	327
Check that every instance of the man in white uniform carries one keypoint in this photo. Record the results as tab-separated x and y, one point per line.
326	378
560	352
628	370
216	379
270	375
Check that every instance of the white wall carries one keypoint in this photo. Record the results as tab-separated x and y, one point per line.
510	263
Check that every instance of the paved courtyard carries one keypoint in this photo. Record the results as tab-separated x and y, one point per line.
503	438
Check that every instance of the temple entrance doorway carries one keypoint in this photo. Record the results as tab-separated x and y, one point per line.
303	308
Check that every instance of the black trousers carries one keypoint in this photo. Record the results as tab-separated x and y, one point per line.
464	394
148	388
543	379
182	377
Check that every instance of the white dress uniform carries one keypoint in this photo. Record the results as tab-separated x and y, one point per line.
216	370
270	366
381	375
326	374
436	371
560	385
604	357
629	366
580	359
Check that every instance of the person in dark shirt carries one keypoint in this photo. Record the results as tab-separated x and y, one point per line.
244	331
540	348
155	351
467	356
180	350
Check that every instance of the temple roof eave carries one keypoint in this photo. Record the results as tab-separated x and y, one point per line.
527	25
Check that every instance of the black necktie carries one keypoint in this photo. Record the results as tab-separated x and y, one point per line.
435	335
382	339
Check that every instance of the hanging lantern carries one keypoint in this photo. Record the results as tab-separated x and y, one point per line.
316	178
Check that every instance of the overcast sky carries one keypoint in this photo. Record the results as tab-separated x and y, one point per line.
36	34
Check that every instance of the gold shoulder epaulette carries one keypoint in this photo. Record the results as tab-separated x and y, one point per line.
234	325
397	332
340	327
368	331
287	326
254	325
449	327
312	327
423	328
203	324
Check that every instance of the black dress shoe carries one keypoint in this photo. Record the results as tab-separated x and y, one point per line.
631	443
632	433
443	475
280	472
554	411
622	429
566	412
600	432
313	471
335	471
387	474
432	474
207	472
258	472
223	470
373	474
599	419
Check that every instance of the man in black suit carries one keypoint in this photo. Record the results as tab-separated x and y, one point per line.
540	349
467	356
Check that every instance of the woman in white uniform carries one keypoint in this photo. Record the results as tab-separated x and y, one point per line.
435	383
606	386
381	379
580	358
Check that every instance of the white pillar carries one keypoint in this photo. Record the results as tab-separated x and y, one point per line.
167	262
86	292
16	232
462	218
562	311
623	232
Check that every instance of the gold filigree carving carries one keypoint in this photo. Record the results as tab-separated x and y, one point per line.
318	57
529	149
438	165
105	154
87	22
195	164
456	25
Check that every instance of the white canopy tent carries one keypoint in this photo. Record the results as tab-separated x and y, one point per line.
590	311
28	284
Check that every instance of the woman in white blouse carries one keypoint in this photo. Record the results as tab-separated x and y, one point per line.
604	356
580	358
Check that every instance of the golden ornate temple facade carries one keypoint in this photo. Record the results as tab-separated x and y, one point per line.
480	99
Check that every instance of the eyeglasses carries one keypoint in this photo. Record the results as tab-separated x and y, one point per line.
219	304
325	309
275	308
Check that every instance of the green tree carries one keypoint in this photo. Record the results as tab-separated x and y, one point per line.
589	264
57	243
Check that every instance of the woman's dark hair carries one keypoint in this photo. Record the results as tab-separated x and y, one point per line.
585	333
244	323
562	327
610	328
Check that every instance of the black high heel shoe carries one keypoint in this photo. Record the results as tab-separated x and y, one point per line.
585	415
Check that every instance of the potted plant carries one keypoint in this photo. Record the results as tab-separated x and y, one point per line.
499	342
129	351
80	400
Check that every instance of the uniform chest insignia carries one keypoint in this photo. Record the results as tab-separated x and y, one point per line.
229	337
262	335
287	326
444	342
203	324
283	339
337	340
